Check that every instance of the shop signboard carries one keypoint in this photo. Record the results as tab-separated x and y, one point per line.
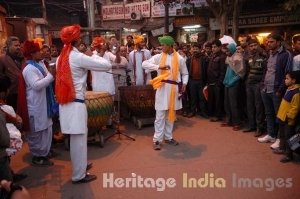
271	19
124	11
178	8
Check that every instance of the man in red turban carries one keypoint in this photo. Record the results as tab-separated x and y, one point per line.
71	76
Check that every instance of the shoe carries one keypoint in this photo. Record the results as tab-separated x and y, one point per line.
249	130
215	119
156	146
278	151
18	177
190	115
184	114
236	128
225	124
204	115
89	166
266	139
258	133
275	145
172	142
86	179
41	162
286	159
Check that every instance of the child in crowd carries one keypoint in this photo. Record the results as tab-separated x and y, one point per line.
287	114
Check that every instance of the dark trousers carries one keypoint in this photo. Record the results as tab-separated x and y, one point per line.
197	97
5	171
231	104
255	107
215	100
186	100
271	103
285	133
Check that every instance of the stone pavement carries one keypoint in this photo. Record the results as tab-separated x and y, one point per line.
210	162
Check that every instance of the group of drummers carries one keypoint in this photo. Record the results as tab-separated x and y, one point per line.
45	85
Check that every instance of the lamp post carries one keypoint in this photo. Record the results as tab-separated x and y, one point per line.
167	5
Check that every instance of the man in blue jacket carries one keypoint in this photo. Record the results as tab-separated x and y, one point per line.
273	87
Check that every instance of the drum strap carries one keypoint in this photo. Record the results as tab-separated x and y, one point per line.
78	100
134	66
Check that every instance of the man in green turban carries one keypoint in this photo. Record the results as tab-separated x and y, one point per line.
172	71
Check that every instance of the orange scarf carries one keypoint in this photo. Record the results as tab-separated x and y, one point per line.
156	82
64	88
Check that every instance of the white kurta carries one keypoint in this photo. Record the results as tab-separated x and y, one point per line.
103	81
36	85
73	115
162	95
137	55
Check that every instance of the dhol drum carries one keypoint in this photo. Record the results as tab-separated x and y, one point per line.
99	107
140	100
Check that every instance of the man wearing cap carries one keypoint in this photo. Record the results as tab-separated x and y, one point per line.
71	76
171	70
40	100
136	57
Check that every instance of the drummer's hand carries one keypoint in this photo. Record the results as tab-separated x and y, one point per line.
165	67
88	52
183	88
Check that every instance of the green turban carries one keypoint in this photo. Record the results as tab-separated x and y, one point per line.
167	40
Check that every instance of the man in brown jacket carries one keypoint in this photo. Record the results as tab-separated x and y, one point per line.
11	66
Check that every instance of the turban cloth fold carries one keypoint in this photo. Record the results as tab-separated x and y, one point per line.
68	34
39	41
98	41
30	47
167	40
137	39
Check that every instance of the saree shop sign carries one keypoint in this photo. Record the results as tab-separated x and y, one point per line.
267	20
123	11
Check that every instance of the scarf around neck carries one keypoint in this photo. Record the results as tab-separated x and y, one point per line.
164	75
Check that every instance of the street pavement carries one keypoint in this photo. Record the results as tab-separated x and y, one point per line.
210	162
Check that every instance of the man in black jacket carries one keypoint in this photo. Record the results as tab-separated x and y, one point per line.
215	76
196	65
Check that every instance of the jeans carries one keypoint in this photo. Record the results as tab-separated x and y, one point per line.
231	104
271	102
255	107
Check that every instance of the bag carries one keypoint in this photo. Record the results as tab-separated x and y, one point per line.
294	143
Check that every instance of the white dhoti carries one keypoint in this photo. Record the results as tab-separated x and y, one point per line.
40	142
163	128
78	151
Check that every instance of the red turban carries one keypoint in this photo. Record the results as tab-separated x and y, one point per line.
29	48
68	34
98	41
64	87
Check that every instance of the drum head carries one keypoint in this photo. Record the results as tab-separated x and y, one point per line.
95	94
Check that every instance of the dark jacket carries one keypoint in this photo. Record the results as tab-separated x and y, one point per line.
12	69
202	63
284	64
216	69
255	67
4	135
